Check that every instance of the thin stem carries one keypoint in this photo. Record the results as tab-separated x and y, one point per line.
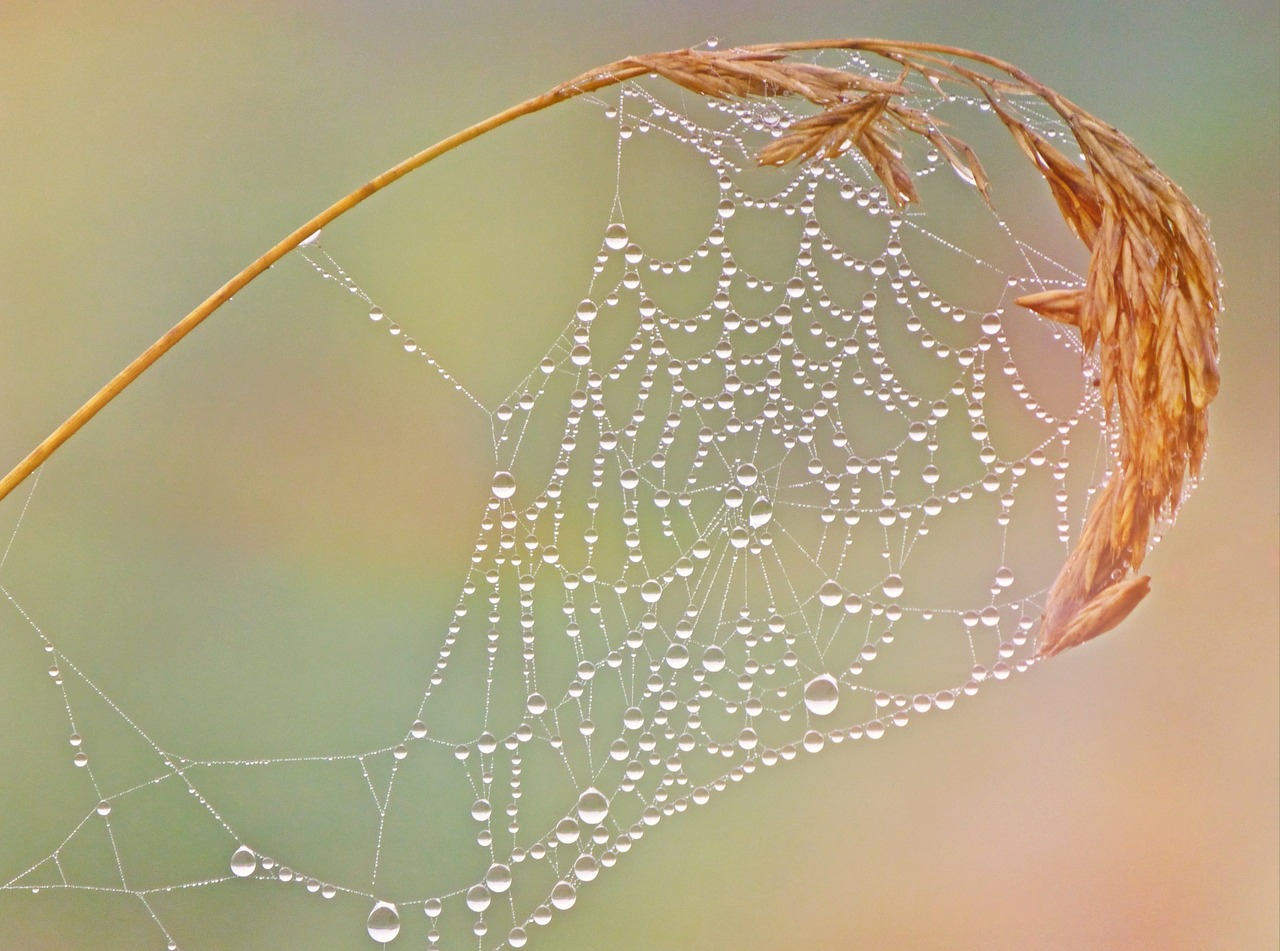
588	82
598	78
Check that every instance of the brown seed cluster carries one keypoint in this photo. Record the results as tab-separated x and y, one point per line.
1150	301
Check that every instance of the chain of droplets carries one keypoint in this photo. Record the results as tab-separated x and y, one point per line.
704	670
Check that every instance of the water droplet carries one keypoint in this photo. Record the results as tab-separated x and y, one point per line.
713	659
498	878
104	808
587	311
821	694
651	592
580	355
504	485
375	313
567	830
761	512
384	922
593	806
478	898
244	863
615	236
309	240
563	895
746	474
1004	577
893	586
830	594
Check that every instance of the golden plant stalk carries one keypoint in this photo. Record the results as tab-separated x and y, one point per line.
1150	302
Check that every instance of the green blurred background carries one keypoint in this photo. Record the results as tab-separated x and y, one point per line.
280	472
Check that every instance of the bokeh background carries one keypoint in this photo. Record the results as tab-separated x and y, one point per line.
278	466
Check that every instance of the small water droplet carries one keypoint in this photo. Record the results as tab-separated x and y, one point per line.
104	808
1004	577
309	240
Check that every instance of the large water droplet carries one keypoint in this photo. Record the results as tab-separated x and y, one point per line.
1004	577
821	694
761	512
615	236
244	863
504	485
478	898
563	895
893	586
593	806
746	474
498	878
384	922
713	659
830	594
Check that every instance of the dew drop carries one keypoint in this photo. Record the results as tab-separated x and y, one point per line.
504	485
1004	577
746	474
104	808
761	512
587	311
893	586
593	807
821	694
563	896
615	236
384	922
713	659
830	594
498	878
478	898
244	863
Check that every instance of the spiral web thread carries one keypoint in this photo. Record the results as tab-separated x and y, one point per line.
740	512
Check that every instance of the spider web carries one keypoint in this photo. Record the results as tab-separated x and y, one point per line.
795	474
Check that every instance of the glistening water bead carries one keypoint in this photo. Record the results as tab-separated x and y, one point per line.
503	485
384	922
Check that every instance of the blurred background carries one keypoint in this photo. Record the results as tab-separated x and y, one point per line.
279	466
